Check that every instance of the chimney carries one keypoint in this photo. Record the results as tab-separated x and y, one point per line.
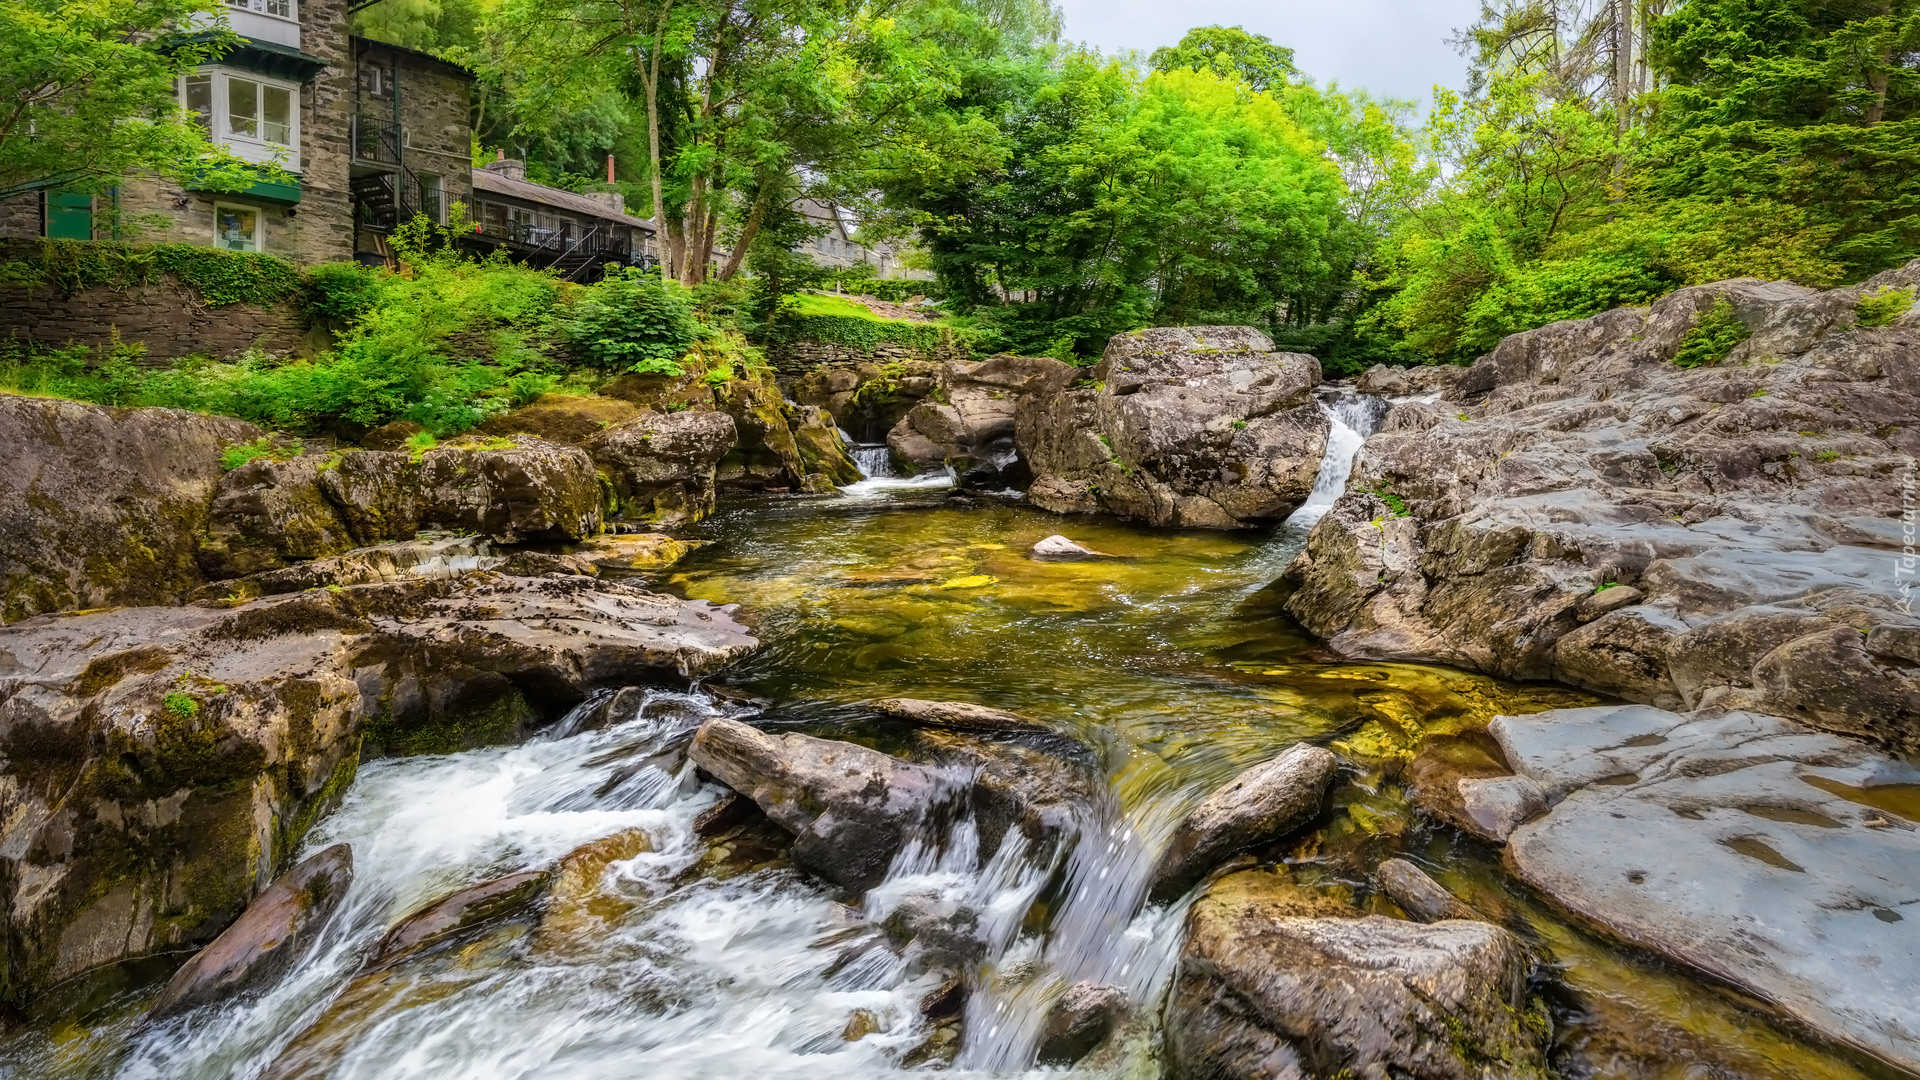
500	153
609	168
511	168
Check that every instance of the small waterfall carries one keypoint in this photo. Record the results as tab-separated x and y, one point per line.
874	460
1352	419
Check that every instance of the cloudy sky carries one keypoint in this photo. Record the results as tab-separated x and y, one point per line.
1391	47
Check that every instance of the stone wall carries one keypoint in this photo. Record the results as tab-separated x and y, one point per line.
800	357
20	217
168	317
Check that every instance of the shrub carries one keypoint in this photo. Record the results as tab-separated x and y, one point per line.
634	321
220	277
238	454
1715	333
1883	306
343	292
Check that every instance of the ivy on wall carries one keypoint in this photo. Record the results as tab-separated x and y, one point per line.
220	277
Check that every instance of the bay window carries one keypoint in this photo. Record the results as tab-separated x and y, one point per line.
255	117
282	9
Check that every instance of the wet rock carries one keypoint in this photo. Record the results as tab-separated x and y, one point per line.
577	900
1079	1022
1061	549
637	551
1781	860
662	467
944	1001
442	556
937	933
1738	509
731	812
1464	781
145	747
959	716
462	912
1272	983
850	809
1262	804
1496	806
1200	428
968	421
266	941
267	514
1417	894
101	507
1040	786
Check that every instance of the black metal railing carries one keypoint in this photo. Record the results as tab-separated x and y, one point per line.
376	140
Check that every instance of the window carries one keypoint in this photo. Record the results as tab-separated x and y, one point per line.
236	228
197	97
278	8
254	111
433	198
379	82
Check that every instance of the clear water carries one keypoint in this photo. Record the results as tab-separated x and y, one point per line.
695	959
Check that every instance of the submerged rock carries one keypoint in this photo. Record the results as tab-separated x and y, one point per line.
150	746
1781	860
959	716
1274	981
101	507
464	911
662	467
1061	549
1584	510
1264	803
1417	894
1206	427
849	808
266	941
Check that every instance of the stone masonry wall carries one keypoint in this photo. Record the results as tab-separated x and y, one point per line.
167	317
800	357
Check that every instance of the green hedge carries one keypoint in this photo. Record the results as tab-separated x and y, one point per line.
859	333
896	291
221	277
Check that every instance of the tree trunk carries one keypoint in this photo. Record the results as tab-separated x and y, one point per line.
1877	79
748	231
652	80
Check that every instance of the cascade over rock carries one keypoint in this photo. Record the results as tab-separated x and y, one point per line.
1746	513
967	422
161	762
1206	427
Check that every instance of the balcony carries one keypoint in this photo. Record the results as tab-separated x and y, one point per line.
376	141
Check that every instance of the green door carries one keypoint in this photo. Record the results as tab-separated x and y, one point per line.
69	215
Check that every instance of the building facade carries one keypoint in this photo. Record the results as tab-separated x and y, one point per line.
411	147
574	233
837	249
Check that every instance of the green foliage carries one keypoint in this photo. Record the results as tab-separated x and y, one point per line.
181	706
419	443
1714	334
1230	52
1883	306
235	455
863	331
220	277
898	290
1396	506
344	292
633	321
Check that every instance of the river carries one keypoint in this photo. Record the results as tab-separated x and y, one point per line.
695	958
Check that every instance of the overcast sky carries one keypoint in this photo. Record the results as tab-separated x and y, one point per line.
1395	48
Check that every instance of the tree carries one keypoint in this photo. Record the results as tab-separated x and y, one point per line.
1229	51
88	87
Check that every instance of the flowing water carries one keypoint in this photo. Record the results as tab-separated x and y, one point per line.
672	955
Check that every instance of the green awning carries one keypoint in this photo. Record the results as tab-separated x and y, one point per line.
263	191
267	58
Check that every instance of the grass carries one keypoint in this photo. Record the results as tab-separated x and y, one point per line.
822	304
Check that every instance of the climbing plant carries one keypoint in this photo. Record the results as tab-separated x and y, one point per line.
220	277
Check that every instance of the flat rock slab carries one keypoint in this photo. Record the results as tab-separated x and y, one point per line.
1746	846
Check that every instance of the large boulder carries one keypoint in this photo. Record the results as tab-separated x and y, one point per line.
661	466
1274	981
967	423
1264	803
268	514
1206	427
1783	861
850	809
867	398
266	941
100	507
1586	511
158	765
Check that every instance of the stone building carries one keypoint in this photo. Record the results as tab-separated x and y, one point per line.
574	233
837	249
410	139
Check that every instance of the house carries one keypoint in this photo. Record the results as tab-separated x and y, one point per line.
837	249
575	233
410	141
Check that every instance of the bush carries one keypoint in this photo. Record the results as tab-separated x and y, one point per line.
634	321
1716	332
1883	306
344	292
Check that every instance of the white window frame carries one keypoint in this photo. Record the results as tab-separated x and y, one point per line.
266	8
250	147
259	225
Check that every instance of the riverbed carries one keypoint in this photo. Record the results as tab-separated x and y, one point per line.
1170	663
